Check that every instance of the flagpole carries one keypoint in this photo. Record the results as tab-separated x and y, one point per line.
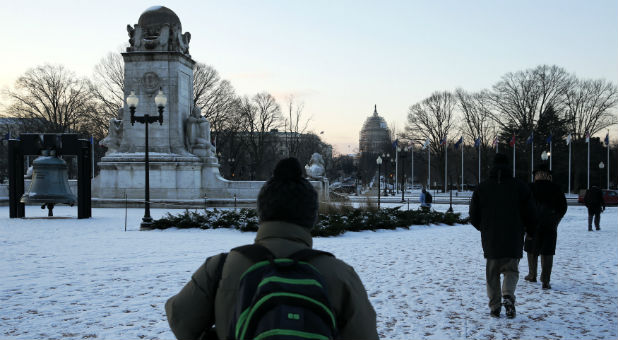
412	166
513	159
445	164
607	138
532	161
588	181
429	167
396	166
462	174
479	162
569	186
551	154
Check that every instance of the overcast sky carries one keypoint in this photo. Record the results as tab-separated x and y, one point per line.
338	57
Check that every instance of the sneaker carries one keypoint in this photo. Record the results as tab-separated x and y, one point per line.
530	278
546	285
509	306
495	313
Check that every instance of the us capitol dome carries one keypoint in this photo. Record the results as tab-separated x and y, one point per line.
375	135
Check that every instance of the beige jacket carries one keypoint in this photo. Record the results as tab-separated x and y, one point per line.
200	304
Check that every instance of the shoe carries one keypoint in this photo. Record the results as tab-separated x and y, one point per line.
546	285
530	278
589	229
598	228
495	313
509	306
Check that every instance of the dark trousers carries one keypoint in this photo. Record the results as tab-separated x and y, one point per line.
597	219
547	262
510	268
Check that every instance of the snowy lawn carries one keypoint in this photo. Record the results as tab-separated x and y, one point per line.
79	279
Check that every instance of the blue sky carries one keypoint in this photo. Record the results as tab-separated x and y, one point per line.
338	57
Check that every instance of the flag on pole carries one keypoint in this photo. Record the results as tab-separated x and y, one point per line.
587	137
548	139
530	139
568	139
459	142
443	141
395	143
512	142
426	144
495	142
607	139
477	142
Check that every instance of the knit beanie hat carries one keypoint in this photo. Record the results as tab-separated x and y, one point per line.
287	196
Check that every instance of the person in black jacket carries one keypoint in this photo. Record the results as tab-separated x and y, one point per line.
595	204
503	211
551	205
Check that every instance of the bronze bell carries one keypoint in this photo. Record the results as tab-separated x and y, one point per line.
50	183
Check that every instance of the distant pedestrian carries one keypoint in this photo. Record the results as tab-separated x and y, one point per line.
503	211
595	204
278	287
551	206
425	199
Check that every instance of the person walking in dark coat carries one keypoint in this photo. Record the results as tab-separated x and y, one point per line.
503	211
551	206
595	204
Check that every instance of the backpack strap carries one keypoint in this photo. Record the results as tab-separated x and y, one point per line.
258	252
308	254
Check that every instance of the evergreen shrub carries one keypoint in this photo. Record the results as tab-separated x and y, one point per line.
333	220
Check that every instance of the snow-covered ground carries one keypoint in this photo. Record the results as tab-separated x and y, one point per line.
80	279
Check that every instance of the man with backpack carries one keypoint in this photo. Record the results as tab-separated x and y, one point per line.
279	287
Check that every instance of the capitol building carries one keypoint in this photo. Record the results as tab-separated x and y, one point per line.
375	137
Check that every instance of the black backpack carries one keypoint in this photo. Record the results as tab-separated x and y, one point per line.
282	298
428	198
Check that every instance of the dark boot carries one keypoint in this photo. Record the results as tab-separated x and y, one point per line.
546	265
532	267
509	306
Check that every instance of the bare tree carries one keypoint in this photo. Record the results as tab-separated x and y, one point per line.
259	116
107	84
52	94
589	104
433	119
477	118
519	98
215	97
295	126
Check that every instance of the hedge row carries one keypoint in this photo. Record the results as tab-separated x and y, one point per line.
330	223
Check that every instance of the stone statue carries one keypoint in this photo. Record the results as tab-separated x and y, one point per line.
114	137
197	134
159	29
315	168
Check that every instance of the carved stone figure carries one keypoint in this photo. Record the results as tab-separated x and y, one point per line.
197	134
158	29
315	168
114	137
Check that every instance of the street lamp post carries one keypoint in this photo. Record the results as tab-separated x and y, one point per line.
402	155
379	163
601	167
385	157
160	101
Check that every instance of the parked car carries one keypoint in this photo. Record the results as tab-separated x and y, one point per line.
609	196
